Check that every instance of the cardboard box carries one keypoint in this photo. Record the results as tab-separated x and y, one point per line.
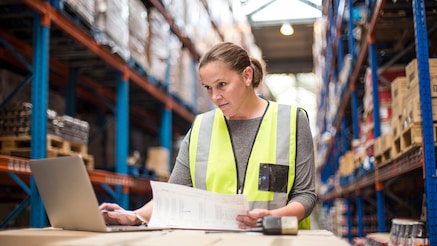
396	109
396	124
387	141
414	85
158	160
412	112
399	87
346	164
378	147
411	71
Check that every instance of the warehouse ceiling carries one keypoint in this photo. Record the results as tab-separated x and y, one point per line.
284	54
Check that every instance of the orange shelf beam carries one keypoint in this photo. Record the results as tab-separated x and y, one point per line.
21	166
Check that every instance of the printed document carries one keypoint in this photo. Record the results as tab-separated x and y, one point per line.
179	206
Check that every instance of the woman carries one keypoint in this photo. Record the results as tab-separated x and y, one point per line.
247	145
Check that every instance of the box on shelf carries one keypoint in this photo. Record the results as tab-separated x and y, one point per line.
158	160
396	125
346	164
377	147
387	141
399	87
411	70
412	112
397	108
414	84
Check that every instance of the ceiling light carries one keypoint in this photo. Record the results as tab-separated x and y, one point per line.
286	29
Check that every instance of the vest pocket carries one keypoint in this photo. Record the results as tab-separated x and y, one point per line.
273	177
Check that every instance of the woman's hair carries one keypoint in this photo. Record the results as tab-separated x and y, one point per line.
236	58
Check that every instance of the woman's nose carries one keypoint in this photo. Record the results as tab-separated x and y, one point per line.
216	95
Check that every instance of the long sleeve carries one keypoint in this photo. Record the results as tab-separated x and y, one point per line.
304	183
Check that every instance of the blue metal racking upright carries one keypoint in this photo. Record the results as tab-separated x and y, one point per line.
428	144
122	134
39	109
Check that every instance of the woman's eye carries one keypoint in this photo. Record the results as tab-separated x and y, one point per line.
221	84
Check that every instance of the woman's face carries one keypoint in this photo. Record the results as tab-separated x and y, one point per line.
228	89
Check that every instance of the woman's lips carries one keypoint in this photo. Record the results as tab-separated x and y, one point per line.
223	105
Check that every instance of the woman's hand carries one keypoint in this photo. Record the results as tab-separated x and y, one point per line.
251	218
117	218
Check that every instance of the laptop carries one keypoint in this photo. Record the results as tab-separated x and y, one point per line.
68	195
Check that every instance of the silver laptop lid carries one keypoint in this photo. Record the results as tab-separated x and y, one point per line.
67	193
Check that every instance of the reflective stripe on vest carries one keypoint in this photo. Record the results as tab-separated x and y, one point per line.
212	162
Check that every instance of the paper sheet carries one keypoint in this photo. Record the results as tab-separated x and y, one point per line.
179	206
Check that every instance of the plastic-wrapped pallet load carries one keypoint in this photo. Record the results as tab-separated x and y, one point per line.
158	50
65	135
176	68
220	12
176	8
198	27
138	32
15	120
187	79
73	129
112	26
84	8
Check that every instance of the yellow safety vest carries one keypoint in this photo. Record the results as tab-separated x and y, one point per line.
213	166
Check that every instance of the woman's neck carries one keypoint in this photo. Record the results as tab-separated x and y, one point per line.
255	109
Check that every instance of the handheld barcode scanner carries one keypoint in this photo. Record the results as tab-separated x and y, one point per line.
285	225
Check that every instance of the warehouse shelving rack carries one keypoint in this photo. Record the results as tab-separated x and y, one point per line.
417	157
175	115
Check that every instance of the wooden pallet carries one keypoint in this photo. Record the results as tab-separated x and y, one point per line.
359	158
384	157
410	136
377	147
56	146
88	159
384	153
54	143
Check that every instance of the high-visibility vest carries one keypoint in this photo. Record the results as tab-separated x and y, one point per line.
213	166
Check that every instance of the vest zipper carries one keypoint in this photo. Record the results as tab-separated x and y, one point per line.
240	187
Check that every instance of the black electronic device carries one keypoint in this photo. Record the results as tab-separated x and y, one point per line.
280	225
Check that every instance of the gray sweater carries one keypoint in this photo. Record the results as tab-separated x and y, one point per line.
243	134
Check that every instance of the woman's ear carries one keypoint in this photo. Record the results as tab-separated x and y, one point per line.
248	76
